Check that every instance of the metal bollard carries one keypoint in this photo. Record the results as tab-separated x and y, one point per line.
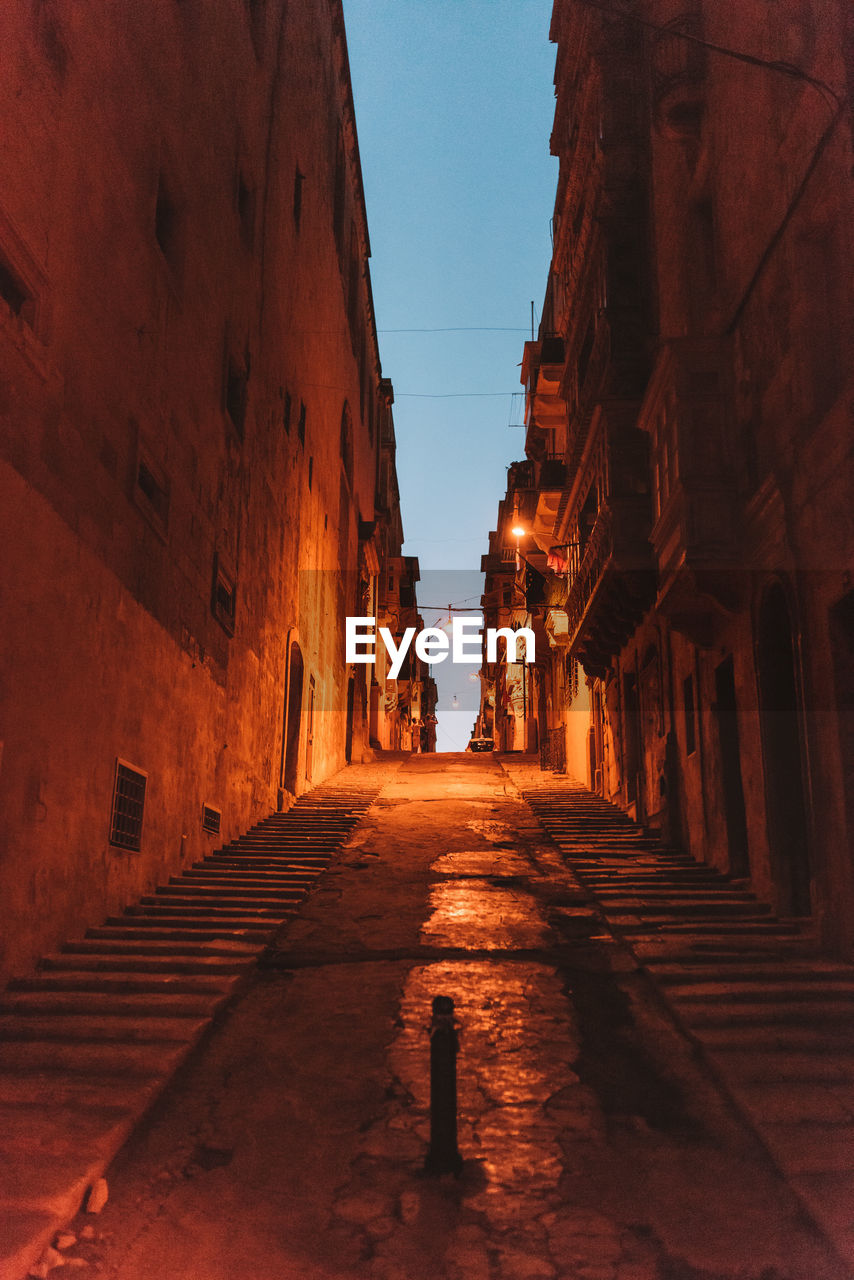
444	1155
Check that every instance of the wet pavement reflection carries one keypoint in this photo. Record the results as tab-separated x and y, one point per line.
594	1148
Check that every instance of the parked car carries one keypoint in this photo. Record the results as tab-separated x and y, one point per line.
481	744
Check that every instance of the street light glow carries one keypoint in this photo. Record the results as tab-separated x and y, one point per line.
518	531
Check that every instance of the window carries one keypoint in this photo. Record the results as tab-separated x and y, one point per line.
152	491
572	681
211	819
584	355
690	715
13	292
223	597
339	198
22	284
310	472
353	314
301	423
346	443
128	806
299	179
286	413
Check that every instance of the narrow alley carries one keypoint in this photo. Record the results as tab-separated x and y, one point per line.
597	1144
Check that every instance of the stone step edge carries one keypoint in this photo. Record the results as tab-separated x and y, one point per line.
708	1060
65	1205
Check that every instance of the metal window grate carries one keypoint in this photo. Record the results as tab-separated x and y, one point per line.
128	806
211	819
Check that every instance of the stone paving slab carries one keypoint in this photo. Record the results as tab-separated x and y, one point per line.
594	1148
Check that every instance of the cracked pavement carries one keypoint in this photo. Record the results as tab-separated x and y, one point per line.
596	1147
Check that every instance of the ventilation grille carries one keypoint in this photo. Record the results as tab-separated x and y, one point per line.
211	819
128	806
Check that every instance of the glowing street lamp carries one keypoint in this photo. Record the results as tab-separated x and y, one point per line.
518	532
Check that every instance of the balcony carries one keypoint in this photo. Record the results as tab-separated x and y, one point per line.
687	415
612	586
610	576
584	385
520	477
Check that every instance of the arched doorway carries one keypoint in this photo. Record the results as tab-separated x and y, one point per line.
293	719
632	749
732	784
351	707
782	754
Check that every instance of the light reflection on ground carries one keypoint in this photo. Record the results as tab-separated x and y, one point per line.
481	862
477	915
504	1080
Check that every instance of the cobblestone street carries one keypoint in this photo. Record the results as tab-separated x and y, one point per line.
596	1145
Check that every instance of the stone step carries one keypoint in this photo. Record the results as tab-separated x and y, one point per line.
284	842
834	1016
152	906
773	1037
276	855
238	949
657	896
663	881
183	927
800	971
216	873
248	864
89	1040
85	980
762	925
720	992
233	882
147	1061
782	1102
57	1090
136	963
250	933
34	1126
230	889
101	1004
82	1027
706	907
829	1068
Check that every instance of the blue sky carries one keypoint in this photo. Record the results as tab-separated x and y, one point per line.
454	105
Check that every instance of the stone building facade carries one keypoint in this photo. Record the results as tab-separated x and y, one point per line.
689	436
195	480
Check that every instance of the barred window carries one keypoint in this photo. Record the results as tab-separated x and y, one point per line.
211	819
128	806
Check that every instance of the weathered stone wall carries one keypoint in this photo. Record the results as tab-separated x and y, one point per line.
180	330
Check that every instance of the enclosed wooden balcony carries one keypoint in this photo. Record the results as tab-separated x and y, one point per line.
687	414
613	584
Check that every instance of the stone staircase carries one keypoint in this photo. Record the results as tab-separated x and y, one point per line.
90	1039
773	1016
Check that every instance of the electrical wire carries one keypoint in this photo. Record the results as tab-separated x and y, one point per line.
448	395
838	103
466	328
769	64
